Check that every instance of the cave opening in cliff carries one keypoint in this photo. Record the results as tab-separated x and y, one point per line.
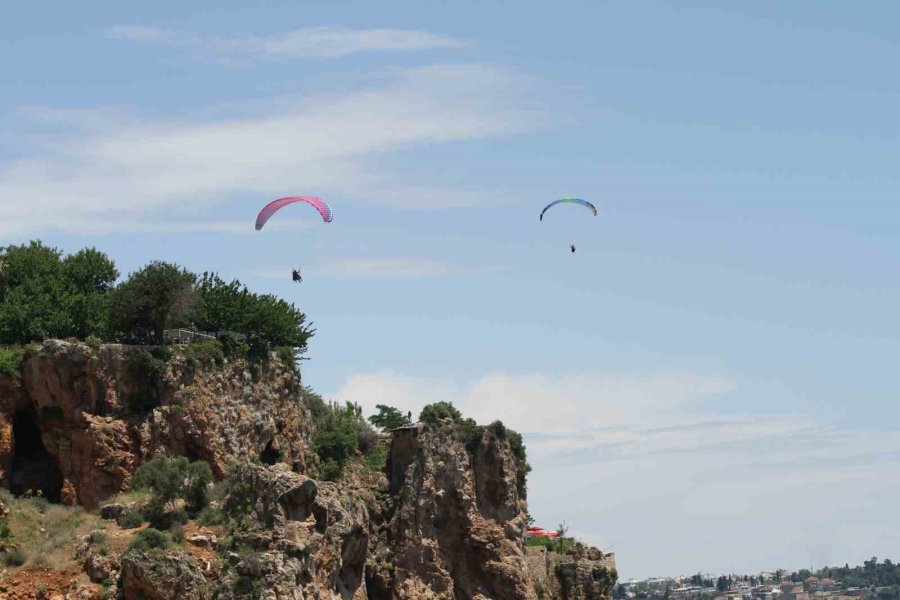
270	455
32	468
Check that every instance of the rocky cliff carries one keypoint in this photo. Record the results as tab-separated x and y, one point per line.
443	518
77	421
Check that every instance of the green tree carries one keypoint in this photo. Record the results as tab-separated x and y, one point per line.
274	321
158	297
89	277
171	479
32	294
221	305
432	414
388	417
335	440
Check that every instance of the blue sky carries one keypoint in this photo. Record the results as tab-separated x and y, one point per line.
707	383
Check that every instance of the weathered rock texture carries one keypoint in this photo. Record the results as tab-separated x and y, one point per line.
161	575
444	520
71	413
308	539
581	573
458	523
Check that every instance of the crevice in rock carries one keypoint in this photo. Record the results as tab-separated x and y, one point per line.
32	467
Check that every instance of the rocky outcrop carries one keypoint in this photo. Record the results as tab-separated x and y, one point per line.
582	573
98	563
449	541
161	575
444	520
83	422
309	539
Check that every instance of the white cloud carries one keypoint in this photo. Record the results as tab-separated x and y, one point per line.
649	464
152	35
130	173
309	42
539	403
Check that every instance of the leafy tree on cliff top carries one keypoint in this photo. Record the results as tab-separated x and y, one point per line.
31	293
222	304
89	277
388	417
158	297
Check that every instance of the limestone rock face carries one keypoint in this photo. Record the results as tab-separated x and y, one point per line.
157	575
582	573
452	535
312	541
76	414
98	565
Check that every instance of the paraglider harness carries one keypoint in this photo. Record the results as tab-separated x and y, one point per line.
296	275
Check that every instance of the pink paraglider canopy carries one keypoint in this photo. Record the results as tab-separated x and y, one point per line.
272	207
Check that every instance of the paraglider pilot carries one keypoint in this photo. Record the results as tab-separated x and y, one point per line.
572	246
296	275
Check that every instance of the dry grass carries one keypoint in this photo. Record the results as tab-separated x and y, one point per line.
47	533
128	497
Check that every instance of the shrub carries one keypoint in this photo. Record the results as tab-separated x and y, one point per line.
170	479
11	358
313	401
376	459
433	414
211	516
335	440
6	538
209	352
177	533
162	519
148	539
40	562
14	558
97	537
366	437
234	348
93	343
288	357
131	520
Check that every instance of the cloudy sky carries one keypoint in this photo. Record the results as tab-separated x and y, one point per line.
708	383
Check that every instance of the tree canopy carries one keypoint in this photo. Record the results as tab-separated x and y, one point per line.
45	295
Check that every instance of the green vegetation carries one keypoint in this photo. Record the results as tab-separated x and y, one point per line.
40	534
45	295
148	539
11	359
173	481
335	439
340	433
471	434
15	558
158	297
131	520
149	368
388	418
210	352
870	574
376	458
